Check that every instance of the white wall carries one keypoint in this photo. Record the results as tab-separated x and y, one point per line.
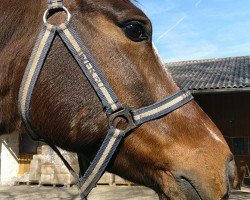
9	150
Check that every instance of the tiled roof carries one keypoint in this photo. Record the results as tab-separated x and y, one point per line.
221	73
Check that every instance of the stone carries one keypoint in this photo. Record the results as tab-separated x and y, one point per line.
120	181
47	179
35	170
46	150
107	178
63	179
57	169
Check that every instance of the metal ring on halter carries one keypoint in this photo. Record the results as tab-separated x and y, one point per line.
47	11
125	113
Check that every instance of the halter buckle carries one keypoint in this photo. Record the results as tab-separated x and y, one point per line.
124	113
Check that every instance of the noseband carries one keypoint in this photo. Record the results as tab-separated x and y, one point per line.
111	105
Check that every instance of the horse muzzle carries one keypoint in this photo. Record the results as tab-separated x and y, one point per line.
189	186
194	192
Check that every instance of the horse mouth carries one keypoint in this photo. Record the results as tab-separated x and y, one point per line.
186	187
192	191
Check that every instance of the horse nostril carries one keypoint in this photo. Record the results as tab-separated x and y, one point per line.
231	169
225	197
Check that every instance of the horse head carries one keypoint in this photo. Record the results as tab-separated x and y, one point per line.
181	156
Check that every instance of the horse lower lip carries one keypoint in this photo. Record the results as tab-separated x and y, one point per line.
190	188
191	191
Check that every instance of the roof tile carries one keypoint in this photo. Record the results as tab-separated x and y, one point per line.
218	73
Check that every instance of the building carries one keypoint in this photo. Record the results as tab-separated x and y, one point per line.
222	88
15	155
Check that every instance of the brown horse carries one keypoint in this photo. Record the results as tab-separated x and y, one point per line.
181	156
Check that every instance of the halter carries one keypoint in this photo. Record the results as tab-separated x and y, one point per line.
111	105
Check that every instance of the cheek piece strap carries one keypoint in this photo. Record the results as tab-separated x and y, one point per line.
111	105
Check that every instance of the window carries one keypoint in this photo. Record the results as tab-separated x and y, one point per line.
239	146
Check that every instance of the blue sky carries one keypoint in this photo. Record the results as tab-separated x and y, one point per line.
198	29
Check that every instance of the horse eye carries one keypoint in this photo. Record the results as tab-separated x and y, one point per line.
135	31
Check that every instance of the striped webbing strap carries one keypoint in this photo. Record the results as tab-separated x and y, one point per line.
100	162
89	68
161	108
31	74
110	102
55	4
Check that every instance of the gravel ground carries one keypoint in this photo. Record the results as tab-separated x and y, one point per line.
99	193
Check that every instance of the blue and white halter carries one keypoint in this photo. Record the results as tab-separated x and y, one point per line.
109	100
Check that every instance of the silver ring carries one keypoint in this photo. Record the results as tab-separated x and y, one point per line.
47	11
